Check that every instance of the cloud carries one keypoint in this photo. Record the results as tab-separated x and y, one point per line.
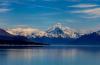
4	10
50	14
95	11
91	13
54	8
84	5
88	10
4	7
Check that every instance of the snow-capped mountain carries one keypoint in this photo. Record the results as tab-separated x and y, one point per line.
27	32
56	34
58	30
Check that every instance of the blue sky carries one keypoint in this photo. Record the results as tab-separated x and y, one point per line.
77	14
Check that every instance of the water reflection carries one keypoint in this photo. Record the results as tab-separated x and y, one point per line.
49	56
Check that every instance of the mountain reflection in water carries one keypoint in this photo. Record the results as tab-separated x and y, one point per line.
51	56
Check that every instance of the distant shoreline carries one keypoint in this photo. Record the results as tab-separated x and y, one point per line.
46	46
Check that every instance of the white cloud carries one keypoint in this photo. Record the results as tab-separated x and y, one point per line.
95	11
54	8
4	7
84	5
4	10
92	13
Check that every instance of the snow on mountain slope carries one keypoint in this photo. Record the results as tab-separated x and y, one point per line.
58	30
30	32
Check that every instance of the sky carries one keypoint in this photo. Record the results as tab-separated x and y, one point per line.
41	14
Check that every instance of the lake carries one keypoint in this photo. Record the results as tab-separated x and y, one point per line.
51	56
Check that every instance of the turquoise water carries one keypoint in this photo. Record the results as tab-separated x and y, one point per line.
50	56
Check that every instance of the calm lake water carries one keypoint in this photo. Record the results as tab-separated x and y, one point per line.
51	56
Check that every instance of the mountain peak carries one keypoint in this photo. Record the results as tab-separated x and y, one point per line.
58	25
58	30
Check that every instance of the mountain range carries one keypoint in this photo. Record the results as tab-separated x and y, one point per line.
57	30
56	35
